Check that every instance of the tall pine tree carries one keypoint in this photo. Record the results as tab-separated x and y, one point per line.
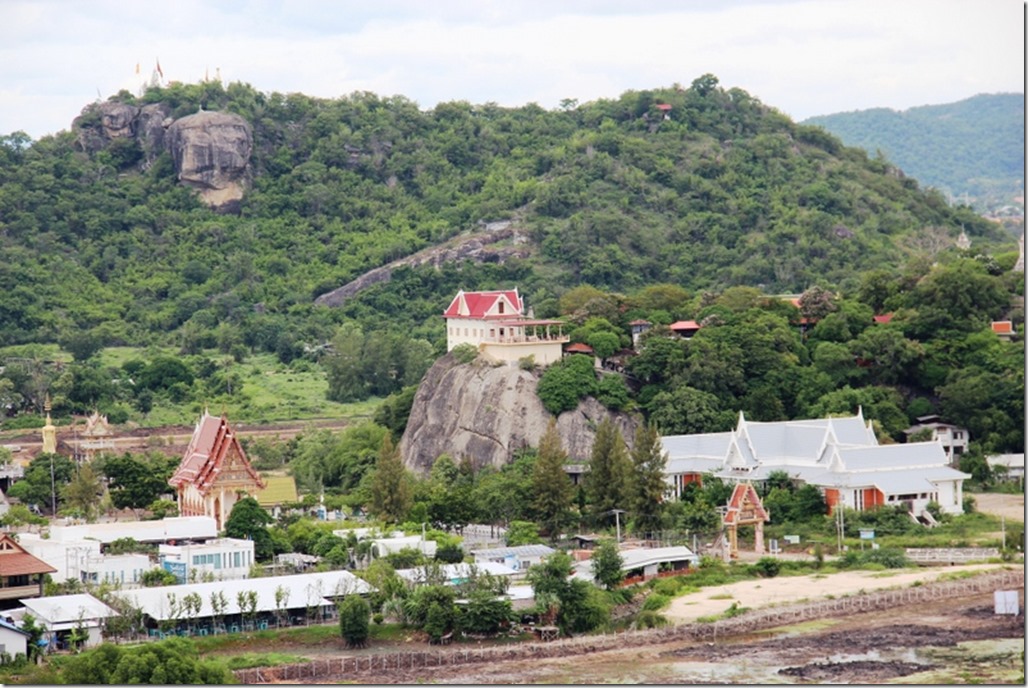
608	481
552	486
390	490
648	463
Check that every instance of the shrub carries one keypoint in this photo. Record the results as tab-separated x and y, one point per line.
465	353
565	383
668	586
655	602
767	567
650	619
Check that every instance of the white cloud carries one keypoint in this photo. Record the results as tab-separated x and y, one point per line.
804	57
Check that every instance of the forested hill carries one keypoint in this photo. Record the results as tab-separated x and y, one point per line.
704	187
973	148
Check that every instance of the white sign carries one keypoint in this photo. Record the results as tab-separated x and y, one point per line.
1006	602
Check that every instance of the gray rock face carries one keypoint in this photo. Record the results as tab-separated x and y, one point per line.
101	123
487	413
150	129
211	151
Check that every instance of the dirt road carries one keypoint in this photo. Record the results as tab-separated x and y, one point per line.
782	590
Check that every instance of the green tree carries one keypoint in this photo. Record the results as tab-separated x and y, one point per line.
551	485
566	382
606	565
84	491
249	521
390	488
354	613
610	470
136	481
648	463
38	484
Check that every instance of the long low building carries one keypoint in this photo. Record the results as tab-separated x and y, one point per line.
167	530
455	574
275	594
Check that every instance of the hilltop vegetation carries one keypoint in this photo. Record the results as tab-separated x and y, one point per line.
726	191
972	149
665	203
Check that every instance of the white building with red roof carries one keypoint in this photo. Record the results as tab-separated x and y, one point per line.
495	323
214	473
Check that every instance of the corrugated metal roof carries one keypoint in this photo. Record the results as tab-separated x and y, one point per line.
67	608
519	551
302	589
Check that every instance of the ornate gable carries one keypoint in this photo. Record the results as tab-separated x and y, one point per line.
215	458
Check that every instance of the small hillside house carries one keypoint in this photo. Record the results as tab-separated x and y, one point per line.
953	438
841	456
496	324
214	473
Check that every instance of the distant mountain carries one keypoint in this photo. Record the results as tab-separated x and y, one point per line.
972	150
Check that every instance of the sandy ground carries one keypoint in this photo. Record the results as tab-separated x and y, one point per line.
1009	505
783	590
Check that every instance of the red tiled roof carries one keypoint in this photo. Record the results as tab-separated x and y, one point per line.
640	322
206	453
1003	327
579	348
663	106
476	304
15	561
685	325
884	318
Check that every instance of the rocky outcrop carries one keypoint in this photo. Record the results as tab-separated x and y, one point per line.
479	247
488	413
211	151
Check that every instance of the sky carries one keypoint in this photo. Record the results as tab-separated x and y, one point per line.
803	57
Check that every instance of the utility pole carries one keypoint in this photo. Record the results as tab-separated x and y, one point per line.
617	521
53	489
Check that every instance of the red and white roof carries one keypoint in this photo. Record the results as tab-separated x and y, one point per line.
211	449
483	305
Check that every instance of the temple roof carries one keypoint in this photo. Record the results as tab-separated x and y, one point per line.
205	458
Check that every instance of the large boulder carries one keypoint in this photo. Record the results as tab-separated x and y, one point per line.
488	412
101	123
151	123
211	151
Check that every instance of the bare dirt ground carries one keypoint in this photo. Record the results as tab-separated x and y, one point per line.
947	641
1010	506
782	590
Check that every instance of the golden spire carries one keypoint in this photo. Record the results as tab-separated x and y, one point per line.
49	431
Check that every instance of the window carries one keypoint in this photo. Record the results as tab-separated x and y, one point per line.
196	559
235	559
500	307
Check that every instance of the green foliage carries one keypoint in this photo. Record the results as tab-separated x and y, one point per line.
36	487
606	565
972	147
168	662
566	382
522	533
248	521
464	353
135	481
648	463
767	567
608	481
655	602
157	577
551	485
353	620
390	487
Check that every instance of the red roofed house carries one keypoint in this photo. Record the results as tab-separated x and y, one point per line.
214	473
21	574
1004	329
495	323
685	328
